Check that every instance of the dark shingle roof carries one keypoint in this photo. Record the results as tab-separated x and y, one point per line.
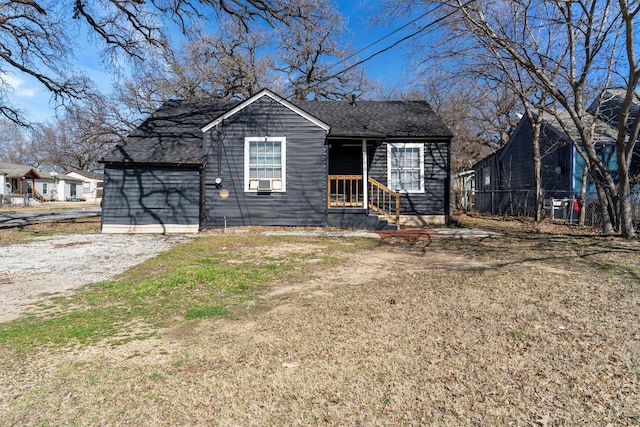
377	119
170	135
173	134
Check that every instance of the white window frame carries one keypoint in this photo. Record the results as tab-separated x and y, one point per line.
390	147
283	158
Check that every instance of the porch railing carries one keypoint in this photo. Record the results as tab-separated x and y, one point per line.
384	201
345	191
348	191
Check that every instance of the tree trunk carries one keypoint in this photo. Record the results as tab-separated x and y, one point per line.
625	214
607	224
536	129
583	193
537	172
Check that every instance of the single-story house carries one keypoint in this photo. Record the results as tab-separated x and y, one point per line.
26	181
91	184
504	180
267	161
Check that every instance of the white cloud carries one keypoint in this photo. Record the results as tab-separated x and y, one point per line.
18	86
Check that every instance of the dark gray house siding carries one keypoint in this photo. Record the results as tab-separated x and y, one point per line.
516	160
184	167
304	201
152	199
487	183
512	187
435	199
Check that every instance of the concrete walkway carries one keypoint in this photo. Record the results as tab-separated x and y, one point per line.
463	233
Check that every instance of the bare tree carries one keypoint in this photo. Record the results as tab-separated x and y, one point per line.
38	38
225	66
14	146
78	140
584	48
569	50
310	54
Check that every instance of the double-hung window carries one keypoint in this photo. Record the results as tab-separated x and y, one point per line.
405	167
265	163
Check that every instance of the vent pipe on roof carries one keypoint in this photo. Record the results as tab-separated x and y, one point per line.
353	99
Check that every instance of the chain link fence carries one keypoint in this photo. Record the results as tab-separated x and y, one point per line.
557	205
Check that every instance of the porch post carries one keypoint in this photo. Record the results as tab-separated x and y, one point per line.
365	178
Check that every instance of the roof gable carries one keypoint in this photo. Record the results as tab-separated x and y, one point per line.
12	170
280	100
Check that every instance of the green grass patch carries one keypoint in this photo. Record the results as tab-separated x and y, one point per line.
206	312
205	278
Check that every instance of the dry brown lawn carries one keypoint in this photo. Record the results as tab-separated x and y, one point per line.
538	327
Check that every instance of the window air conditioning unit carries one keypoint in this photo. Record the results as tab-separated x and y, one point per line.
264	185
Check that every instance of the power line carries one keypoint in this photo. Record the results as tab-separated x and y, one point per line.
384	37
396	43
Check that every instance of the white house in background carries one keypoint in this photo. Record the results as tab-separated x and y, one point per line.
91	184
18	182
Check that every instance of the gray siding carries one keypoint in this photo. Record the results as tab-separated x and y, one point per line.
512	189
303	203
435	199
485	194
516	161
150	195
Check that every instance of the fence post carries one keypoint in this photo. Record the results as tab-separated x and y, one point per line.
398	208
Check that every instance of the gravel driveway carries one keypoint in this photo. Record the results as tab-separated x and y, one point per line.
32	271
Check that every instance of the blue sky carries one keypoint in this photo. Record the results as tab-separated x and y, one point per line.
389	68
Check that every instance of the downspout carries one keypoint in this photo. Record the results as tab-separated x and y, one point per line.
203	197
219	144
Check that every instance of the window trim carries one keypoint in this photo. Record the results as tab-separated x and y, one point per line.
420	146
283	154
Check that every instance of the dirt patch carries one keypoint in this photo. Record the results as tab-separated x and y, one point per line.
528	329
31	271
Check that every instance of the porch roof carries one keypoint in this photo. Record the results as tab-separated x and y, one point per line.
11	170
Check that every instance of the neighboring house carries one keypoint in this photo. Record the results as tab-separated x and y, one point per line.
505	179
608	104
91	184
267	161
22	181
